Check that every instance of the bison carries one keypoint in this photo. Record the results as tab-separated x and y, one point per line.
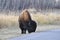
26	23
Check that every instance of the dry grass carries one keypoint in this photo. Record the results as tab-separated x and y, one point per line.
47	18
8	21
12	21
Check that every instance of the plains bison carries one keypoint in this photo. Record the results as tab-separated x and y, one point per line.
26	23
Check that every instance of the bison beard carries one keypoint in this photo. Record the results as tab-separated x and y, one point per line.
26	23
32	26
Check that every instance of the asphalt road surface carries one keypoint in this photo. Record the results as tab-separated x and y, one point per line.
47	35
13	32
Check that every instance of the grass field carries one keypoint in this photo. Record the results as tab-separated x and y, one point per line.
8	21
47	18
41	19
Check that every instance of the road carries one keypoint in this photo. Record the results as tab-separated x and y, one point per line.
11	32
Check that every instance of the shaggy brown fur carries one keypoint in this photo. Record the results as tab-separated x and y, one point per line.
25	16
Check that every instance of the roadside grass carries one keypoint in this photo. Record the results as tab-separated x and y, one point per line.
41	19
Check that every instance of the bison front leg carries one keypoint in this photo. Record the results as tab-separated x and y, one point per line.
23	31
22	27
